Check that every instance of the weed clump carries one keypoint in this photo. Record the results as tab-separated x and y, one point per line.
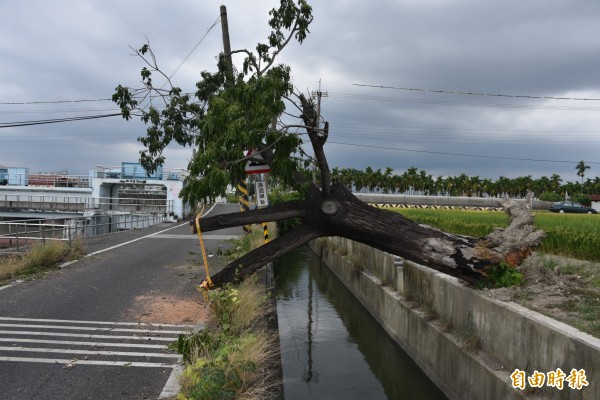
39	258
501	275
233	358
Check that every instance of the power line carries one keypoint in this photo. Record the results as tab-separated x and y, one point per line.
466	141
459	154
195	47
55	121
437	136
395	127
61	111
460	92
351	96
52	102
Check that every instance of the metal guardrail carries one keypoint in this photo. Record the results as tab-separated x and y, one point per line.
132	171
21	233
46	203
83	203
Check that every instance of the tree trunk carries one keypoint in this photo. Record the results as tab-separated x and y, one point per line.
342	214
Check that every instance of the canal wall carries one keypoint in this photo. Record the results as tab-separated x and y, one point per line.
467	343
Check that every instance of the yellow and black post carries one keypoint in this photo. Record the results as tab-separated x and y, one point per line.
244	202
266	232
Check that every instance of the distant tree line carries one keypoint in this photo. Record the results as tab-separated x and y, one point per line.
415	181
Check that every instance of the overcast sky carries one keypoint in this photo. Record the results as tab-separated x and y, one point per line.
72	50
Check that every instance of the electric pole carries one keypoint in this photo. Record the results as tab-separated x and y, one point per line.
226	44
319	94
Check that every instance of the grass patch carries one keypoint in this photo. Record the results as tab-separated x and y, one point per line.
233	358
39	258
461	222
248	242
570	235
586	305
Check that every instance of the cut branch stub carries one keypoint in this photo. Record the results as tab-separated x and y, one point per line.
329	207
514	243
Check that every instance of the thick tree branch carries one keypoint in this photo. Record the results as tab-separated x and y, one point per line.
247	264
290	209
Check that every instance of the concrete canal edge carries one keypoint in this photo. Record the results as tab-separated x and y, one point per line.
468	344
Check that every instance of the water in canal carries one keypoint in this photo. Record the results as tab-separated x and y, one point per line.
331	347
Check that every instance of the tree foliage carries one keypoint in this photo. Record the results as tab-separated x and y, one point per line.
231	111
414	181
581	167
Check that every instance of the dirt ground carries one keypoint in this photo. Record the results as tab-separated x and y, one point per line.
167	308
170	309
563	288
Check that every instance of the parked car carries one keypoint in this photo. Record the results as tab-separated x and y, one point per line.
571	207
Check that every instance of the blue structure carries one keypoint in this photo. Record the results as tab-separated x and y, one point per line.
13	176
131	170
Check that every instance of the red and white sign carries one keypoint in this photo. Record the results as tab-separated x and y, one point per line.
255	165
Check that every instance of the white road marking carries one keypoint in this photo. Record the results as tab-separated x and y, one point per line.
143	237
93	344
94	352
195	237
35	333
155	325
89	362
132	241
87	328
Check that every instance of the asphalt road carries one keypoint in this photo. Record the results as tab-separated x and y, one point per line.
77	333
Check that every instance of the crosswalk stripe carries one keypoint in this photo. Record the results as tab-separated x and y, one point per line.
86	328
156	325
89	352
53	341
94	344
88	362
35	333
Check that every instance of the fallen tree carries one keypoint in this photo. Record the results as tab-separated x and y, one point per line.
234	112
334	211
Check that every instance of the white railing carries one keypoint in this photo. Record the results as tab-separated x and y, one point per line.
21	233
126	173
17	202
44	180
131	172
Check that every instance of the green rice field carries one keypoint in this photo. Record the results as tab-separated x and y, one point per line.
572	235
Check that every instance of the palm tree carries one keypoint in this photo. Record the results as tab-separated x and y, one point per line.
487	187
411	177
473	186
596	184
555	182
581	167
